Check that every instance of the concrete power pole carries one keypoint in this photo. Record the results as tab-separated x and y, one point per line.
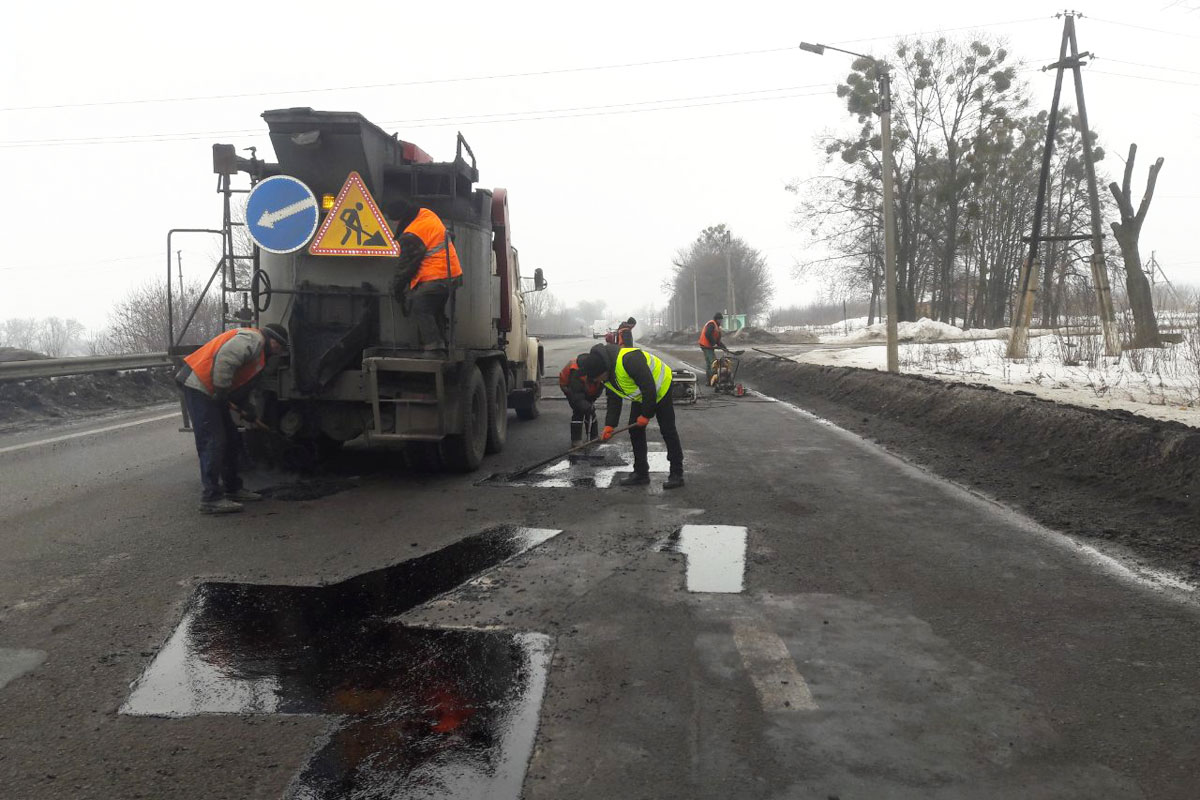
729	282
696	299
179	266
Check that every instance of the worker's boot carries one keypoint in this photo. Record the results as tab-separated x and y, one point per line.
220	506
635	479
673	481
243	496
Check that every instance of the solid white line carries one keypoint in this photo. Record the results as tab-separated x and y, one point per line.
93	432
780	685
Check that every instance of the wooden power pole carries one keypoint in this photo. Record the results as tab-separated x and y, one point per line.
1026	291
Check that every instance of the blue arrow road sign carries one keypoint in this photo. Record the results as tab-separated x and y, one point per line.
281	214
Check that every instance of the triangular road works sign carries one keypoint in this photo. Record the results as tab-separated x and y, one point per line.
354	226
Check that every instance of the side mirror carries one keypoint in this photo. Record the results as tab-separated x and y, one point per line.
539	280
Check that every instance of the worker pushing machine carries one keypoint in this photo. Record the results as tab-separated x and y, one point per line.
427	273
582	393
710	340
632	374
217	376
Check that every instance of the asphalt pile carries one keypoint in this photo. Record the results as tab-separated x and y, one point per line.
1100	474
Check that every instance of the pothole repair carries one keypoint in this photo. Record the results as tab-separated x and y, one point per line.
716	557
420	711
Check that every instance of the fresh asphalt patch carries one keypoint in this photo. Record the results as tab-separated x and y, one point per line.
416	708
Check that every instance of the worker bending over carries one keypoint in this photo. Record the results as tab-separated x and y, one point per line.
710	340
582	393
427	272
218	375
632	374
625	332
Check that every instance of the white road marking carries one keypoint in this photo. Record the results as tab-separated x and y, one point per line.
780	685
15	447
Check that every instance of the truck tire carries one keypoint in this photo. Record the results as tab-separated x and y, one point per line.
463	452
497	412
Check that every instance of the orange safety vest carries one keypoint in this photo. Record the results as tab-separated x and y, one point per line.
201	361
707	340
430	230
590	388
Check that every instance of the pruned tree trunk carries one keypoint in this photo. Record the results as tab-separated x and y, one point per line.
1127	231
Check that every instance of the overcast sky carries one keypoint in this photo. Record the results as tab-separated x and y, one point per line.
109	111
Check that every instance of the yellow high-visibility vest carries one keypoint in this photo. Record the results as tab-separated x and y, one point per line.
626	387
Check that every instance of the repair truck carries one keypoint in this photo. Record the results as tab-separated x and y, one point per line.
354	368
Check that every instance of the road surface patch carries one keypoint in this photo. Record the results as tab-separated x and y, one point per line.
15	662
715	554
417	709
601	471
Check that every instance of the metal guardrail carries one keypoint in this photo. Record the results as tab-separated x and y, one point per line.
58	367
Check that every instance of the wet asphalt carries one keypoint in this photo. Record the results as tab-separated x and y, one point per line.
377	633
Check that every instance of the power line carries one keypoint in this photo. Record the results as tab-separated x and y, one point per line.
1151	66
892	36
1144	28
1143	77
427	82
521	116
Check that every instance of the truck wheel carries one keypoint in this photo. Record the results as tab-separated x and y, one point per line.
463	452
497	412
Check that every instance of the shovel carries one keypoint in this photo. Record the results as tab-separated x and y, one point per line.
525	471
290	453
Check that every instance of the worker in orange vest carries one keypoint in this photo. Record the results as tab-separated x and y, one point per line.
710	340
582	393
216	376
625	333
427	272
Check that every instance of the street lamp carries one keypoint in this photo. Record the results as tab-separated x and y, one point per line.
889	208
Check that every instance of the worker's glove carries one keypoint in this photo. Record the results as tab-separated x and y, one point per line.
607	433
248	414
589	410
398	288
643	422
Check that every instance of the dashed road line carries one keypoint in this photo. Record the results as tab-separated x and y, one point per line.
780	685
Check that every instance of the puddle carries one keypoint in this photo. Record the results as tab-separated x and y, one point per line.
716	557
597	470
421	712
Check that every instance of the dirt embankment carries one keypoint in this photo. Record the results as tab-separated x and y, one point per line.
1107	475
27	403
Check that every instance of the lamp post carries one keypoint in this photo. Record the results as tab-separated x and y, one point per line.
889	207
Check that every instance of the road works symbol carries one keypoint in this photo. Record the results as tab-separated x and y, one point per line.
281	214
354	226
420	711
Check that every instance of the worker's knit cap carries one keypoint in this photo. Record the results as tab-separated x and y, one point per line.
277	332
593	365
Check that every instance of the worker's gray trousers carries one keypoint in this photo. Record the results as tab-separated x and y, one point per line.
710	355
428	304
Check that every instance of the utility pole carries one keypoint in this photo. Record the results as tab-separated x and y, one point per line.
179	265
696	298
729	282
1027	289
883	74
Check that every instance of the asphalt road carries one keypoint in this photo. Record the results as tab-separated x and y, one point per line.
895	637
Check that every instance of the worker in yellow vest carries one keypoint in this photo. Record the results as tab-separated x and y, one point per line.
644	380
428	270
215	376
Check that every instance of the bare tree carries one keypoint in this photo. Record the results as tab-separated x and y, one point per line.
138	322
56	337
20	332
1127	231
